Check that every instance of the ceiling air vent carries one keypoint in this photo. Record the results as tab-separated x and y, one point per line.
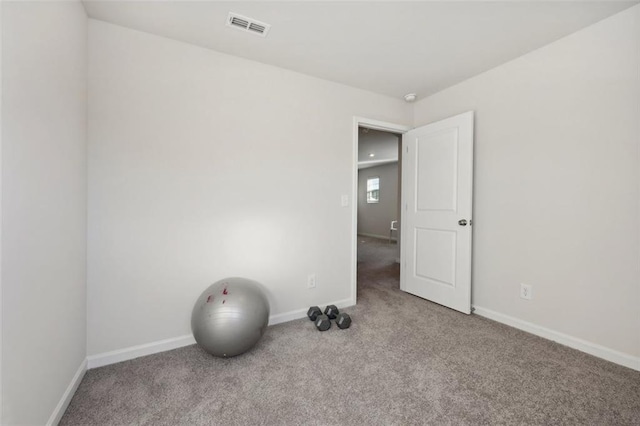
247	24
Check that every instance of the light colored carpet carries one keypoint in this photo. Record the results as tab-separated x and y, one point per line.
404	361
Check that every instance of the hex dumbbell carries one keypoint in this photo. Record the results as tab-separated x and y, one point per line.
314	312
331	311
343	320
323	323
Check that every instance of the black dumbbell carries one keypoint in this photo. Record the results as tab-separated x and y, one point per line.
343	320
323	323
314	312
331	311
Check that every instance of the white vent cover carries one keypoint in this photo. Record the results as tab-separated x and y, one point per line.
247	24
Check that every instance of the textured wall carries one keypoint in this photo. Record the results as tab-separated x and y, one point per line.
204	165
557	175
44	202
375	218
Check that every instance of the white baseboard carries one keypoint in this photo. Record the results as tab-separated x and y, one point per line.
55	417
381	237
132	352
564	339
107	358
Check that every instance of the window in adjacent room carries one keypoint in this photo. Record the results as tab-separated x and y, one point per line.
373	190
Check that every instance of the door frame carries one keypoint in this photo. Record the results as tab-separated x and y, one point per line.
373	125
1	289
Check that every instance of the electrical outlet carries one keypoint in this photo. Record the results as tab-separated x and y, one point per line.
526	291
311	281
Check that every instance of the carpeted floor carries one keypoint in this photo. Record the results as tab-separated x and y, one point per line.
404	361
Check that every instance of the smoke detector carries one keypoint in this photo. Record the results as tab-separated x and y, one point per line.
410	97
246	24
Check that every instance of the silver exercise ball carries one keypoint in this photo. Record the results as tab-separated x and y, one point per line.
230	316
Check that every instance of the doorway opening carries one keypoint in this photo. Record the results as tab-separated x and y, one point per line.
376	203
436	200
378	199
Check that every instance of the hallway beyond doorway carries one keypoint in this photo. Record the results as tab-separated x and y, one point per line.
377	263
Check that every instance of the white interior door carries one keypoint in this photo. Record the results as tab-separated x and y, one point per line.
437	183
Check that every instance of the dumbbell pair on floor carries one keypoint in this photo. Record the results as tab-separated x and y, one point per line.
323	321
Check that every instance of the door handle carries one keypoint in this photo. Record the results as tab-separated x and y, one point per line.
462	222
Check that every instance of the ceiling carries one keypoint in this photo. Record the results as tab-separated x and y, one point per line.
391	47
376	148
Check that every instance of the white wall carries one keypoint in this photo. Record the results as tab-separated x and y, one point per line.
557	182
375	219
203	166
43	205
